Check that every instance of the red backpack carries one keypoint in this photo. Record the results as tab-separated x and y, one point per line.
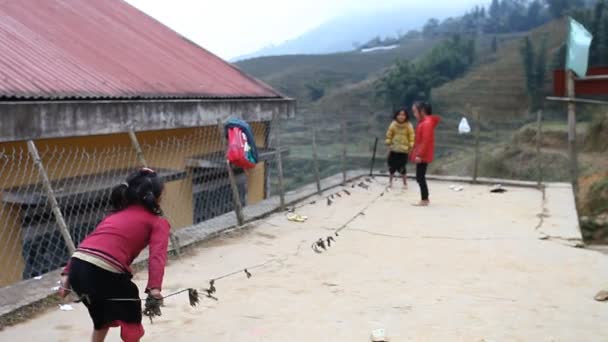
238	149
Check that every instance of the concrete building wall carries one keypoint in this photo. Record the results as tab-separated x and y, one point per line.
54	119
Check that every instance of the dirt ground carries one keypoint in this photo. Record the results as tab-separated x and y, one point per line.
469	268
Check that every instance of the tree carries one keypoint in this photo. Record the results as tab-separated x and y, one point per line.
494	13
540	72
559	58
559	8
596	31
534	14
494	10
397	87
535	71
527	55
431	27
316	90
602	46
406	81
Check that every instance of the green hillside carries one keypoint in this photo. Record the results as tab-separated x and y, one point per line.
299	76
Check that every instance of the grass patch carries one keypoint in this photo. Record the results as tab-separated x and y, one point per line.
598	197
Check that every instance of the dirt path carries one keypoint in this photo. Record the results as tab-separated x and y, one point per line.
469	268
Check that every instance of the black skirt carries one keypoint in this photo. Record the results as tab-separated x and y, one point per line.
96	286
397	162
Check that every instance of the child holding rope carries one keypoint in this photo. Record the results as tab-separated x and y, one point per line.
99	271
400	140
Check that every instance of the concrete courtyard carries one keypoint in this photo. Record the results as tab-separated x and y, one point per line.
474	266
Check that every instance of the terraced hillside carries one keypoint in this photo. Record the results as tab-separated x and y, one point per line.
497	89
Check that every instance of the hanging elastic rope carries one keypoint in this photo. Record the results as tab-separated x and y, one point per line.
152	305
322	244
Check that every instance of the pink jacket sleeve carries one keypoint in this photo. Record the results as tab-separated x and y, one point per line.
159	240
66	269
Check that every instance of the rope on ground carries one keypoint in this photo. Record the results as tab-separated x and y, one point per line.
152	305
331	197
322	244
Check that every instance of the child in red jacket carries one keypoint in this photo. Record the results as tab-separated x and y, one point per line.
424	146
99	270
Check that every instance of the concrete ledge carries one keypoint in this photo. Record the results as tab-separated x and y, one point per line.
560	216
482	180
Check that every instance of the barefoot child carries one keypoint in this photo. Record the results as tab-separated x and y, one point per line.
424	147
100	270
400	140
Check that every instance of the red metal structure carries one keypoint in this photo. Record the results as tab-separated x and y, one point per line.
584	86
83	49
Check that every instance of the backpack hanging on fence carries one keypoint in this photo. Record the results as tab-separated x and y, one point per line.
242	150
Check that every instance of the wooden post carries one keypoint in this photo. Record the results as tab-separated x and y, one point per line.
539	139
50	194
236	199
315	160
572	130
143	163
371	168
137	147
277	145
477	129
343	159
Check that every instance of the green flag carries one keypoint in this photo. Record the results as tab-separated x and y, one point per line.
579	42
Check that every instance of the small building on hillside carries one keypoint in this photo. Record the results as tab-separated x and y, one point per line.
76	77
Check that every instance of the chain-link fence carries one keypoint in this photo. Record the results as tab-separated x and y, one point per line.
54	192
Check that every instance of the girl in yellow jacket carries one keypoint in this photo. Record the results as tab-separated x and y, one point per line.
400	141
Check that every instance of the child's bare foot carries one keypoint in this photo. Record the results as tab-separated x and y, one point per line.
422	204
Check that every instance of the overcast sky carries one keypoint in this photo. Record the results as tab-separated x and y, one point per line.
230	28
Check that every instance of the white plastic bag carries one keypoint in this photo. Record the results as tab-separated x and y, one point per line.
463	127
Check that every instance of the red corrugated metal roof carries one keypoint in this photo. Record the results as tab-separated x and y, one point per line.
107	49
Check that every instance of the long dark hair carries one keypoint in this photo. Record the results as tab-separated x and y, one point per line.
424	107
142	187
407	114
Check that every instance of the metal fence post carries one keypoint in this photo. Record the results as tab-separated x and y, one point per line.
315	160
63	228
137	147
371	168
238	207
277	141
477	129
539	138
343	159
142	161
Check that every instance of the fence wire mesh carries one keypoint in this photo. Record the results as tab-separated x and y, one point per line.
191	162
